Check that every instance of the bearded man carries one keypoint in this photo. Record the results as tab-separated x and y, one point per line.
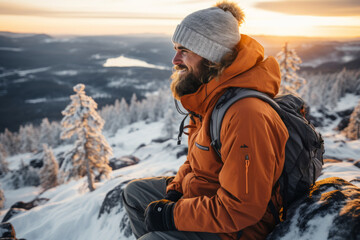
212	197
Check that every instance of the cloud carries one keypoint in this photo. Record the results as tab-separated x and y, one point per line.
13	9
313	8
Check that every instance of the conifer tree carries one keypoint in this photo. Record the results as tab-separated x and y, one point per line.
170	122
352	131
46	136
289	63
134	109
10	142
3	150
3	164
91	151
49	171
28	138
2	199
55	133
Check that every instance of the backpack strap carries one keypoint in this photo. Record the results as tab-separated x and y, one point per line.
231	96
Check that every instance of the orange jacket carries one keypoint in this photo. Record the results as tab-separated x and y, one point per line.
231	194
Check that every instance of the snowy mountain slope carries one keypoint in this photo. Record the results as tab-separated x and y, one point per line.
73	212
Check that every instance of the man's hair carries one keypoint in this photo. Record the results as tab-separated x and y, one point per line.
216	69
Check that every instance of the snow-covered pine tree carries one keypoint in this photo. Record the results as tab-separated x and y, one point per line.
91	150
332	87
49	171
170	121
123	113
45	135
2	199
29	138
289	63
10	141
3	164
3	150
115	116
134	109
55	133
352	131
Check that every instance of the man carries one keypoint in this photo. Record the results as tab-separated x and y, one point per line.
212	197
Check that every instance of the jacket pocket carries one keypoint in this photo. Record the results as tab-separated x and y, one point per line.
201	147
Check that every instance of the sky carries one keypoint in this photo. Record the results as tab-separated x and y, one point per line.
310	18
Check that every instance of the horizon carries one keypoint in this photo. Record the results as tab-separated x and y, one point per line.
296	37
298	18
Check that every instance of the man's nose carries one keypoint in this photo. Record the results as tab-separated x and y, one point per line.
177	60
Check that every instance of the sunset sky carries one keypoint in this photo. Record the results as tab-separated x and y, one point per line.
316	18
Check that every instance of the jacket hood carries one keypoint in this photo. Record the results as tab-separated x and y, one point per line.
249	70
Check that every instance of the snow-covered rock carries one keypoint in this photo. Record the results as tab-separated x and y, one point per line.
330	211
113	203
21	206
124	161
7	231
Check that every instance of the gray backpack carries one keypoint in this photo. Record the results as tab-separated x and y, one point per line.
303	151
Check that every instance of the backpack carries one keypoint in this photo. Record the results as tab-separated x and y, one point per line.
303	151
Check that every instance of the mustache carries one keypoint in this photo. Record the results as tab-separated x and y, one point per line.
179	67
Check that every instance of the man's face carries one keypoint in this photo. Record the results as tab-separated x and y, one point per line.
186	61
188	67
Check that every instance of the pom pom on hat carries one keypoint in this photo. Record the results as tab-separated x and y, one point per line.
233	8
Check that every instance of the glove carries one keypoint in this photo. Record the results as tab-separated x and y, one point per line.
159	216
173	195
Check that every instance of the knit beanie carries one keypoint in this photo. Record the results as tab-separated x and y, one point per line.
211	33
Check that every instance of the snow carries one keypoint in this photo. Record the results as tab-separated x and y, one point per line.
30	71
347	101
72	211
66	73
130	62
24	194
35	100
60	39
319	228
11	49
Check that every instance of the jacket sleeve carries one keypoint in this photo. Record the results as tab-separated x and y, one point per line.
176	183
253	150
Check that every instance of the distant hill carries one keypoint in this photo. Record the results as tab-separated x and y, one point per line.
38	71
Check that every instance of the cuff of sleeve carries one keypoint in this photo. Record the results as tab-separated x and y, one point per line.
173	195
170	216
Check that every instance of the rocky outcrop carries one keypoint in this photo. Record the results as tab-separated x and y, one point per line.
332	202
357	164
7	232
124	161
113	203
2	198
21	206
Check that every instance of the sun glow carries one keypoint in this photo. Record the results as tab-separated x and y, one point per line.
159	16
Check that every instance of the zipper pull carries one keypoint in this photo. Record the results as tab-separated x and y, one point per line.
247	164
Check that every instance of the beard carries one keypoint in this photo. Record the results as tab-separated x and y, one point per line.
189	82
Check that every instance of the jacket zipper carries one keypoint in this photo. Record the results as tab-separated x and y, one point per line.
247	164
